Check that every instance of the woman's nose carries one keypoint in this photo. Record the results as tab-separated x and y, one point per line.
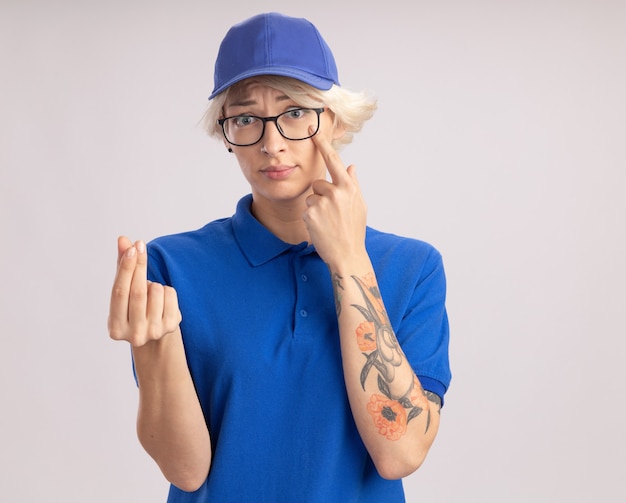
272	142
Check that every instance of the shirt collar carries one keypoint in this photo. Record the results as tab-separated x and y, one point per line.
257	243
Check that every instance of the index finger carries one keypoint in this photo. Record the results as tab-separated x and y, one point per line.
335	166
139	284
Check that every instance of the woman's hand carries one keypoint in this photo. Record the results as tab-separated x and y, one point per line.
140	311
336	212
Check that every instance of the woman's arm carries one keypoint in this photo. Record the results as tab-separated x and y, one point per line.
170	423
396	418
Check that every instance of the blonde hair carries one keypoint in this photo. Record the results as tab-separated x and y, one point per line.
350	109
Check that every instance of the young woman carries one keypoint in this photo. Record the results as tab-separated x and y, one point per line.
290	352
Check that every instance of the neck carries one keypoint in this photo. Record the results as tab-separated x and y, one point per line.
282	220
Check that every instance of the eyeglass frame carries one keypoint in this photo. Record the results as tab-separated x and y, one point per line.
273	119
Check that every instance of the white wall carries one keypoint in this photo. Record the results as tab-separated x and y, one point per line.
500	139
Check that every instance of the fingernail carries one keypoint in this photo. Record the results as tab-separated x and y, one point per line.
141	246
131	252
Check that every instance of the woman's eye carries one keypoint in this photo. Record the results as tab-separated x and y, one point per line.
244	120
295	114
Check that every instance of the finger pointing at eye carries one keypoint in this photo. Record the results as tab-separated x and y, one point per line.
335	166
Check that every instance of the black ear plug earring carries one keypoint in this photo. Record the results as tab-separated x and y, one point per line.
230	150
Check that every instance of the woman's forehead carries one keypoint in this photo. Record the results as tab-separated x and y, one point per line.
251	91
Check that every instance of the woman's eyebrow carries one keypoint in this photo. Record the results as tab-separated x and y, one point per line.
245	103
249	102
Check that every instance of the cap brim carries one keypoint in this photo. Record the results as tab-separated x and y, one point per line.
313	80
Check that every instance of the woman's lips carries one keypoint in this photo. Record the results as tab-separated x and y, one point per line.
278	172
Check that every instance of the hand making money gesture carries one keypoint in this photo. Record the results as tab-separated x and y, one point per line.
140	310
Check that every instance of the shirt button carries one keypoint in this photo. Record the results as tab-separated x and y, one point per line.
304	278
304	313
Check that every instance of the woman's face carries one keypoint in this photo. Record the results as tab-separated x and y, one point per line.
279	171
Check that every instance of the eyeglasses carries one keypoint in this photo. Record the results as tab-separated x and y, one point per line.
294	124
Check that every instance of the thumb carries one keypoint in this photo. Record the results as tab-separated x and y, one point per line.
123	244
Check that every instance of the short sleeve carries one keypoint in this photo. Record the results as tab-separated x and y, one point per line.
424	330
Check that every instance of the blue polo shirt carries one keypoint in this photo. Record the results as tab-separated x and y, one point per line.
262	344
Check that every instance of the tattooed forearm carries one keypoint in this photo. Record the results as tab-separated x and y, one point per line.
391	411
376	333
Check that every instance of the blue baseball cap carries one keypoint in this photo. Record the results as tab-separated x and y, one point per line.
274	44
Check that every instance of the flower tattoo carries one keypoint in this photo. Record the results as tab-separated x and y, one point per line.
365	334
377	341
389	416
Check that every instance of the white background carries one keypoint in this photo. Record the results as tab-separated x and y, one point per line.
500	138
